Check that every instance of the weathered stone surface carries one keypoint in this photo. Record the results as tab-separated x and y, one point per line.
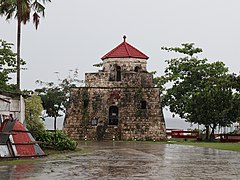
122	97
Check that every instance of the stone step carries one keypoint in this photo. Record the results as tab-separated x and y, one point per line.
108	136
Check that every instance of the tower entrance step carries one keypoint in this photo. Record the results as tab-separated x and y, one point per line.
111	133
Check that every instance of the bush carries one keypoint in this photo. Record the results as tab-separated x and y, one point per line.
56	140
35	127
33	112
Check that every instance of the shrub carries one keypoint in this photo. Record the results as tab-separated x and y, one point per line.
56	140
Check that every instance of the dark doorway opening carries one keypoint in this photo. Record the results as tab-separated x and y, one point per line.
113	115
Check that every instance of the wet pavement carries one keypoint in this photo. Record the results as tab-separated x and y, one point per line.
129	160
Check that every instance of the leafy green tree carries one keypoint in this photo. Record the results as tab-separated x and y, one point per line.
22	10
55	96
235	80
53	99
7	65
196	90
57	140
33	112
65	84
236	101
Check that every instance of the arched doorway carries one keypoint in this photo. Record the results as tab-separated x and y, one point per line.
113	115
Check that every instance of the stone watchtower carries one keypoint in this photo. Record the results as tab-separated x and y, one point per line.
118	102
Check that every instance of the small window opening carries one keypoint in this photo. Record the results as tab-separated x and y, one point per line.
137	69
85	104
143	104
118	73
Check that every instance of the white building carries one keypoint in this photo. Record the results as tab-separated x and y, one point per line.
12	104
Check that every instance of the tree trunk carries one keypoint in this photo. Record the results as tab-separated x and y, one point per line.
207	132
55	124
55	129
19	13
212	136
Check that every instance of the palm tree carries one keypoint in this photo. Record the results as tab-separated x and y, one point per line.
21	10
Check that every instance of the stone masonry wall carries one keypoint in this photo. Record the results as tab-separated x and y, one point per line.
126	64
90	103
128	79
121	99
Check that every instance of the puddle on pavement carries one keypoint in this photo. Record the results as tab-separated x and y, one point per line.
123	160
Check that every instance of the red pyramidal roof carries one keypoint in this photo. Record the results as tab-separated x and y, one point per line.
125	50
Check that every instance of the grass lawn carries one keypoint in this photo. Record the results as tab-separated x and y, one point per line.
190	142
214	145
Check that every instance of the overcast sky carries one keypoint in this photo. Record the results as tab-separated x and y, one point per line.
77	33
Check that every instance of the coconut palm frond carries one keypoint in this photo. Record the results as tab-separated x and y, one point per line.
36	19
26	11
7	9
10	13
45	1
38	7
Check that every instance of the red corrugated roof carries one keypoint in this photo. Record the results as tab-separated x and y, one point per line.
125	50
21	140
17	141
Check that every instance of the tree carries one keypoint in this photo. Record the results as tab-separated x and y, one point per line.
235	80
65	84
57	140
7	65
55	96
198	91
33	114
21	9
52	99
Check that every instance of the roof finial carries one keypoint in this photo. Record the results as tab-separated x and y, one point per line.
124	38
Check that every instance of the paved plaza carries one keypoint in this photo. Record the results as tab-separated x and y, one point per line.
130	160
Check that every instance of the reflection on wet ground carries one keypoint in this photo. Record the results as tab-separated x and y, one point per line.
129	160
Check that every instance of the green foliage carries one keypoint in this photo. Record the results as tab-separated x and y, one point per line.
214	145
85	114
22	11
98	65
55	97
7	56
138	96
235	80
63	85
96	102
9	9
56	140
85	95
33	111
198	91
7	65
236	105
188	48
